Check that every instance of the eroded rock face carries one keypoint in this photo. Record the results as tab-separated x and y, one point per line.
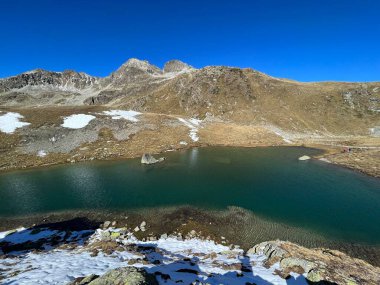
120	276
65	81
318	265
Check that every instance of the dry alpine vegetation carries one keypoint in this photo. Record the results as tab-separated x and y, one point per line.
181	107
50	118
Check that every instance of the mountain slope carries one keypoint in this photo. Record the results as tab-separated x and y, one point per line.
244	96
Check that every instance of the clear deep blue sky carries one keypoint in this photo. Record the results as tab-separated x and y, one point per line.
304	40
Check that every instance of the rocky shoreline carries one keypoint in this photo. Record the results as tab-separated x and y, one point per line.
61	253
235	225
45	142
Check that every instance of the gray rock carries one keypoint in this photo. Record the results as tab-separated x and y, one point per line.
269	249
289	262
84	280
304	157
120	276
149	159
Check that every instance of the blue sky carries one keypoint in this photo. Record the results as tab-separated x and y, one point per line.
303	40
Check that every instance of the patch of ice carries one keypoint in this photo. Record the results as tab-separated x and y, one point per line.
193	125
122	114
10	121
183	143
77	121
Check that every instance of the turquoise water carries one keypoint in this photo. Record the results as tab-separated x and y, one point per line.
271	182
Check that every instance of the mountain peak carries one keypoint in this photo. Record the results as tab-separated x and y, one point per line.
177	66
142	65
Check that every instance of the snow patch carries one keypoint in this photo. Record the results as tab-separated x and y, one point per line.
193	124
41	153
122	114
212	263
77	121
22	235
10	121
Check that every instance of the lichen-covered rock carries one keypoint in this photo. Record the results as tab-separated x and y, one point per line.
119	276
269	249
319	265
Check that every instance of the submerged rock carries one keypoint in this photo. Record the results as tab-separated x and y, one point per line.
149	159
122	276
304	157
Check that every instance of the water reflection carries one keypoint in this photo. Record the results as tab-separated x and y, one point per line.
193	156
24	192
87	185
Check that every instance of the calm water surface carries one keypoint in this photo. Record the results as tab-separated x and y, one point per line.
271	182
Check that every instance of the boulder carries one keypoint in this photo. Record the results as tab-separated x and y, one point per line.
149	159
121	276
304	157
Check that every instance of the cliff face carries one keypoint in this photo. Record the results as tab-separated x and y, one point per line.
241	95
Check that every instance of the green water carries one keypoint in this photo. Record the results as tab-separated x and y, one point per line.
271	182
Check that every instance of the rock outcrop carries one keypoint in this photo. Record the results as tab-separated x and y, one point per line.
120	276
149	159
304	157
319	265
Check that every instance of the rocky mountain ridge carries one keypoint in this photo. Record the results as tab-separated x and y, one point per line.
240	95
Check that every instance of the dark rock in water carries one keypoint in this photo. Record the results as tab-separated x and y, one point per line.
123	275
149	159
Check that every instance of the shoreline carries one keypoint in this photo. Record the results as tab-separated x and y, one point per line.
107	139
327	155
114	249
240	227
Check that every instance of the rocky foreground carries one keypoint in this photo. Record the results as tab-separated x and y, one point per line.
110	255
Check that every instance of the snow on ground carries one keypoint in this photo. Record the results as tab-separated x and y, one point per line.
77	121
41	153
6	233
22	235
184	261
193	125
122	114
10	121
